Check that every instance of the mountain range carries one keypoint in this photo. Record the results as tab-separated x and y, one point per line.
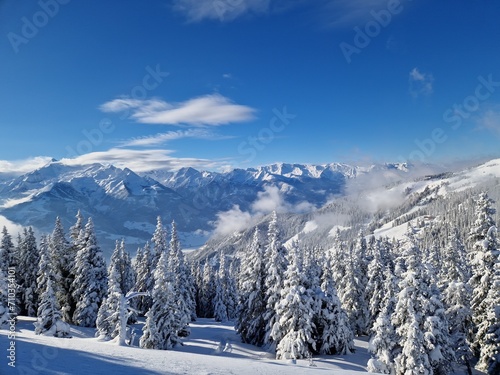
125	204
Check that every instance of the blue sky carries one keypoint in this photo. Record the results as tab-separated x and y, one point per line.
240	83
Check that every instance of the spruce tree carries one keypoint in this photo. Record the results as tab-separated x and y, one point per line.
352	293
108	317
375	284
275	257
4	306
207	291
422	329
486	255
252	304
7	250
159	241
294	327
489	359
161	328
63	254
334	333
220	308
144	280
28	262
49	318
384	342
89	286
182	283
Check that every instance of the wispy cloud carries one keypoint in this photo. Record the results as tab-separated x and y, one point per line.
212	110
143	160
420	83
489	120
349	13
338	13
18	167
162	138
221	10
268	200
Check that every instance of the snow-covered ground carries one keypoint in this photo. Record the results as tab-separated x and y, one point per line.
201	354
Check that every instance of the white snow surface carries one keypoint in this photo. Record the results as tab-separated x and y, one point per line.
84	354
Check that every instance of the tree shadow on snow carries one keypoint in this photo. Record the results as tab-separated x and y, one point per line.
36	359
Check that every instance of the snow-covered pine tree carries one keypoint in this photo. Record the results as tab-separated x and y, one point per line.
408	317
294	327
383	343
352	293
144	279
333	331
454	264
437	337
9	257
181	282
375	285
250	322
4	306
489	358
231	290
127	280
275	258
206	309
89	286
161	328
108	317
45	266
453	278
63	253
28	262
49	318
4	265
159	241
220	308
422	329
197	272
75	230
7	250
486	255
338	253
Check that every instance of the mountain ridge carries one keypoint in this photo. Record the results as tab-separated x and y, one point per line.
125	204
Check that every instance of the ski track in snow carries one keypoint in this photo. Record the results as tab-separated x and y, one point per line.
83	354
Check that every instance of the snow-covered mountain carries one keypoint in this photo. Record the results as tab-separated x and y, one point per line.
379	203
125	204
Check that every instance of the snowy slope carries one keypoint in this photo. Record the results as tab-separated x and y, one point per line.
85	355
368	204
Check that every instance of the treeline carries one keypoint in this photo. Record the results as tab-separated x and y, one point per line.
428	301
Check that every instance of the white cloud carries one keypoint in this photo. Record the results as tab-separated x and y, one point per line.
490	120
268	200
271	200
213	109
221	10
141	160
161	138
18	167
13	228
420	83
232	221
